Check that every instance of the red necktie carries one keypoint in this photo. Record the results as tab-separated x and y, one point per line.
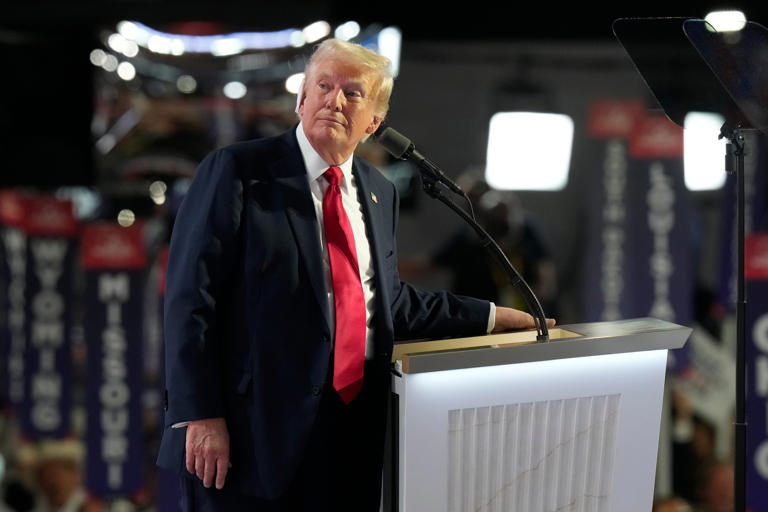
349	348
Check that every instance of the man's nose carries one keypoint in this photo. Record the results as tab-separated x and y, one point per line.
336	99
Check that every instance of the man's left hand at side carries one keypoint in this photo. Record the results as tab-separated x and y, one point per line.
207	450
508	319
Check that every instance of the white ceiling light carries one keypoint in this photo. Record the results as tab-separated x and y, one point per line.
130	48
298	39
126	218
704	154
98	57
186	84
116	42
390	40
529	151
316	31
157	192
110	63
293	83
129	30
347	31
726	21
176	44
159	44
126	71
235	90
227	46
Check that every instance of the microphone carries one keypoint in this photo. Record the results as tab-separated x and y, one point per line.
401	147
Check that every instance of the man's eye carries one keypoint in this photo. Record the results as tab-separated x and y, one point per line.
323	86
354	94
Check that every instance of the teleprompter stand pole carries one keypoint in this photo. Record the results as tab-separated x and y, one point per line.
734	163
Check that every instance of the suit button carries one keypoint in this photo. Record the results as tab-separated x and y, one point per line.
326	338
316	390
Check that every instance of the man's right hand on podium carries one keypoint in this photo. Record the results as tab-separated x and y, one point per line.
508	319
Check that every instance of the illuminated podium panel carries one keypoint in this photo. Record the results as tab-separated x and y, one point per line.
501	423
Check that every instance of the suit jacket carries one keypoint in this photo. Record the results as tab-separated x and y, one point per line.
246	322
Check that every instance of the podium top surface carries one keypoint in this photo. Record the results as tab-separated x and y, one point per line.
567	341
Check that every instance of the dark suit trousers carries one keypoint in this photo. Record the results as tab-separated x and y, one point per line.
341	468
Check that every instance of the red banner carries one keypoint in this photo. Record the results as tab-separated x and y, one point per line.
49	216
11	208
108	245
614	118
655	136
756	257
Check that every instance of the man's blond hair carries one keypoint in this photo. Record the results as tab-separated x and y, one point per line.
369	62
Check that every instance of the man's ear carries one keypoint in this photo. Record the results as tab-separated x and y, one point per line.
374	125
300	101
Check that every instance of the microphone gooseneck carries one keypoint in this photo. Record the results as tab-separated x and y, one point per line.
401	147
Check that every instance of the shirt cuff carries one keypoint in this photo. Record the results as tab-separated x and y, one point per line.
491	318
180	424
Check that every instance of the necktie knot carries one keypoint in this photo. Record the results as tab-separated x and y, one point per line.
333	175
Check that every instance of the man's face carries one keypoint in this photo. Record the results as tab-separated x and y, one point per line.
337	107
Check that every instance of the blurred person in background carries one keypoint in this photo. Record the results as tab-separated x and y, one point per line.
693	448
19	493
59	478
474	270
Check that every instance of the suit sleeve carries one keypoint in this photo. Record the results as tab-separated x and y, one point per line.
204	248
422	314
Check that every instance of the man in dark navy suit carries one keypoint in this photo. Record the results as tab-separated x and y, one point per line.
282	303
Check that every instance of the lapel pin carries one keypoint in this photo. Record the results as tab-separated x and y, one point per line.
373	196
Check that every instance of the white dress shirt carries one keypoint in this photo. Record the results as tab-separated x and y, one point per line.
316	166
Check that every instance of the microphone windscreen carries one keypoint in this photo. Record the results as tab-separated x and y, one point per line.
394	142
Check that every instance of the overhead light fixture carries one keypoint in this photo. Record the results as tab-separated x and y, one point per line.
157	192
227	46
347	31
110	63
726	21
186	84
126	71
98	57
235	90
316	31
159	44
298	39
389	43
529	151
703	152
293	83
116	42
126	218
176	44
129	30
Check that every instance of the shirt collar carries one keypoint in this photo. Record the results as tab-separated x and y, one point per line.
314	163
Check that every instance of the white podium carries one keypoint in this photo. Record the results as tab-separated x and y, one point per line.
501	423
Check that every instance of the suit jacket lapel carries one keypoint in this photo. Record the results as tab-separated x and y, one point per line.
374	222
366	190
291	179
